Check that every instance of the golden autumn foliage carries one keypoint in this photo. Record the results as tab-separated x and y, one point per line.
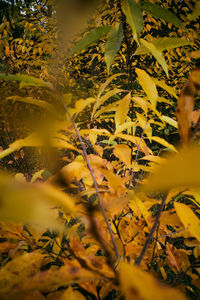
100	100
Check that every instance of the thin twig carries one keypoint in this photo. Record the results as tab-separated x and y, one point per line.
170	234
92	174
150	237
137	153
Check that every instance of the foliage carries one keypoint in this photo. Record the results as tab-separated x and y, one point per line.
115	204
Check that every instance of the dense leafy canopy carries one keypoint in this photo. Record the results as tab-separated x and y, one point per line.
99	149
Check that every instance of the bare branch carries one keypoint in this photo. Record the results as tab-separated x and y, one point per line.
92	174
150	237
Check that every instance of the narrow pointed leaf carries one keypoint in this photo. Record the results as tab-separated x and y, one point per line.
113	44
190	221
122	110
134	17
157	54
26	80
133	279
196	12
90	38
180	170
158	11
163	44
148	86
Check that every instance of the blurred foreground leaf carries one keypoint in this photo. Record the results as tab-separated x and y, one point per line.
138	284
180	170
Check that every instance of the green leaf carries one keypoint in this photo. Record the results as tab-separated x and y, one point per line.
196	12
163	44
113	44
134	17
158	11
26	80
90	38
157	54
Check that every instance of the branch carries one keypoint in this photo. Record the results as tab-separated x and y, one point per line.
150	237
91	172
137	153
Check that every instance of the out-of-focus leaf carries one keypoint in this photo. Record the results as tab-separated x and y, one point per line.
158	11
133	279
184	111
196	12
30	141
26	80
148	86
90	38
30	100
113	44
134	17
38	209
46	281
180	170
122	110
163	44
170	121
156	53
18	269
190	221
71	294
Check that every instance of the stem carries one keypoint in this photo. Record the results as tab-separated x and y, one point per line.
137	153
150	237
92	174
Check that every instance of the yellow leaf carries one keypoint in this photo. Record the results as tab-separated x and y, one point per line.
38	209
103	98
170	121
148	86
163	142
135	140
135	282
180	170
82	104
70	294
190	221
141	102
124	126
122	110
115	182
157	54
166	87
123	152
18	269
